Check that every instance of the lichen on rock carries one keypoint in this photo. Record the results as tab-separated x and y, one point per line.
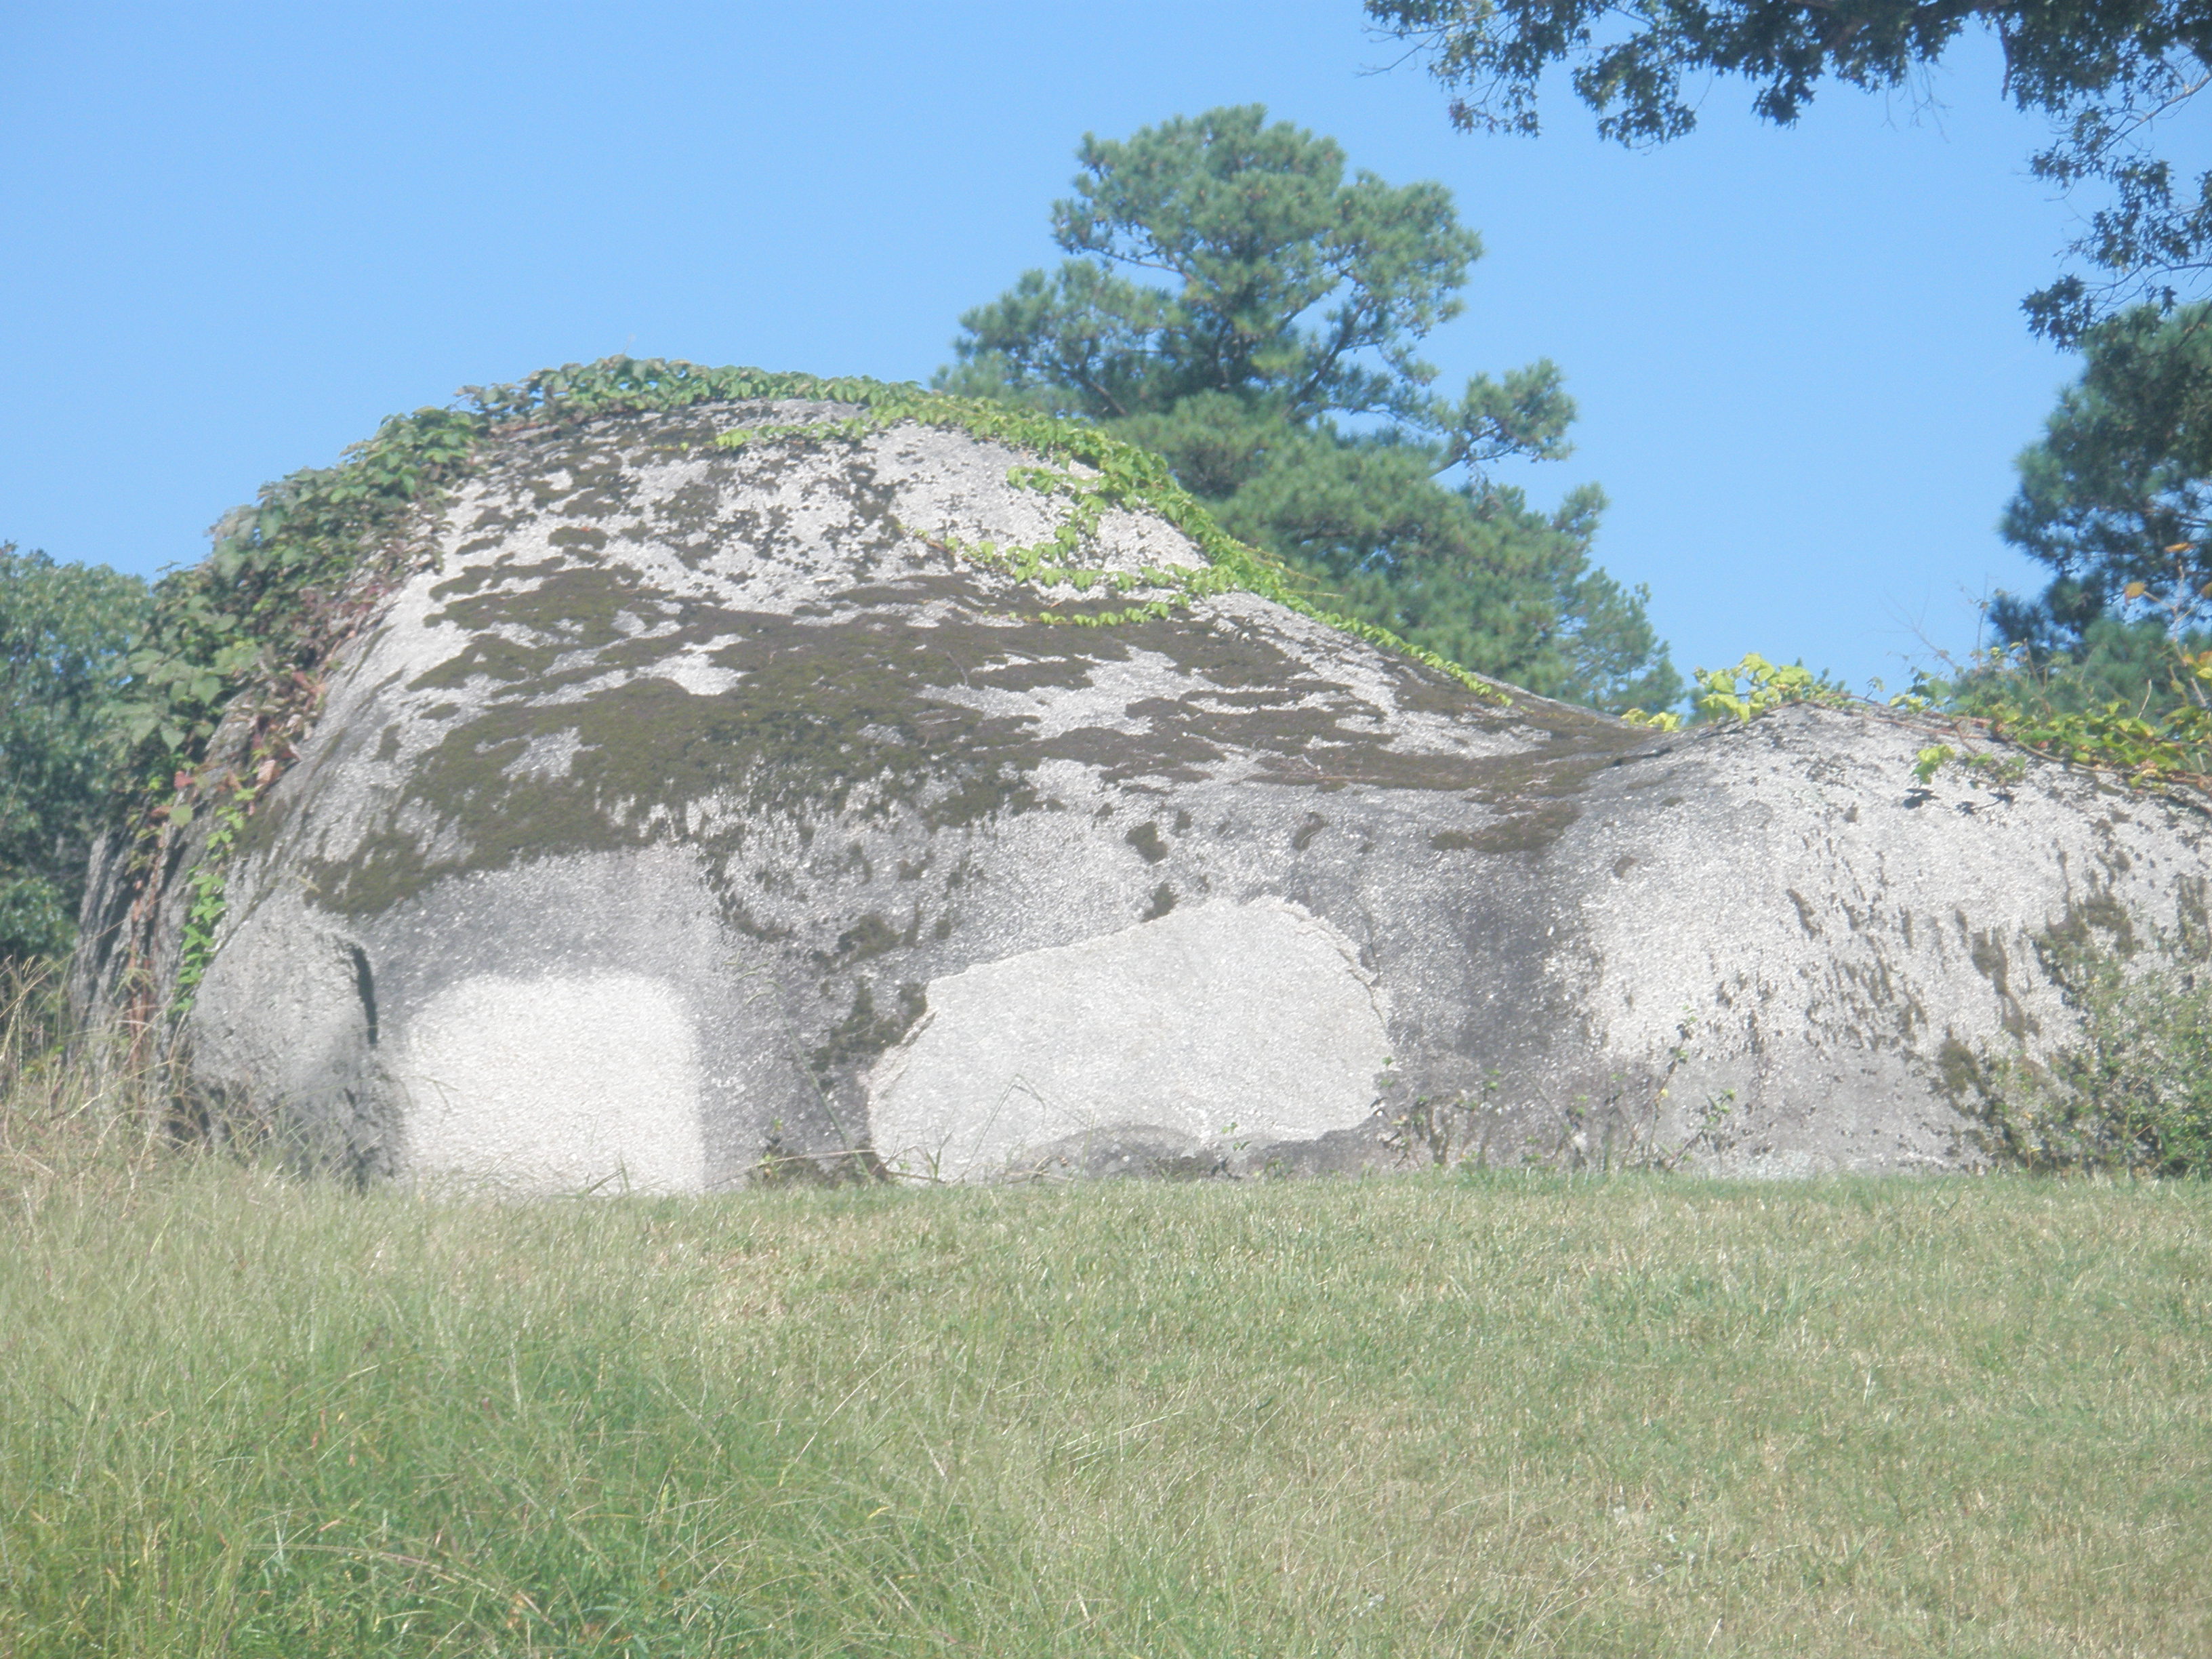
737	787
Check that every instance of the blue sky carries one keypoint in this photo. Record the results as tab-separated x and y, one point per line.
238	235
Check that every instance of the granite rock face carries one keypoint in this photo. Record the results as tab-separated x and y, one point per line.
694	815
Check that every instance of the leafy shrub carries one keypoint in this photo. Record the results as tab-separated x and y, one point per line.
2134	1096
64	629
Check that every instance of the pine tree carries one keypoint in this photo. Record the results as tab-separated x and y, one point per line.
1233	301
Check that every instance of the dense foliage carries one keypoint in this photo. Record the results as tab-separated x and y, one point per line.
2116	497
2111	665
2106	71
1237	305
64	629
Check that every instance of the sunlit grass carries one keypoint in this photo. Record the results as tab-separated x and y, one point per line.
1518	1415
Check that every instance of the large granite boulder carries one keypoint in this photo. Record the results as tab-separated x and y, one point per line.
692	815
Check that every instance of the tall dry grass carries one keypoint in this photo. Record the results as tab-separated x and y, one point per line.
76	1111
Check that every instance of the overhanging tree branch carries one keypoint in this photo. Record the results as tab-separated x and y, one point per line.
2108	71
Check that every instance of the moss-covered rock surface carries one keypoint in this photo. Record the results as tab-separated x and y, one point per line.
773	787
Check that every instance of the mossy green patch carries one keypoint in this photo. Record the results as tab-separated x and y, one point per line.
864	1032
821	722
568	609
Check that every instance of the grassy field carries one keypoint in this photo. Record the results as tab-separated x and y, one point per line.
244	1414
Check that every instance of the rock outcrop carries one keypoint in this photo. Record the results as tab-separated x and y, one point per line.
692	815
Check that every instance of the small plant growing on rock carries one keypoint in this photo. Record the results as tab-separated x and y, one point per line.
2133	1095
1753	687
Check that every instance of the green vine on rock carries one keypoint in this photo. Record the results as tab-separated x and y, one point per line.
2000	700
2163	740
206	889
1117	474
1753	687
205	902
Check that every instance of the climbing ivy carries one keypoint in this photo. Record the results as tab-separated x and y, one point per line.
2162	739
1755	687
2161	742
261	605
204	890
1117	474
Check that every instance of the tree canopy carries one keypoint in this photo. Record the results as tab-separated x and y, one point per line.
1237	303
2106	70
64	630
2116	499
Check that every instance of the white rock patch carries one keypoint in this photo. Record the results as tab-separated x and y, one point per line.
1222	1023
1101	704
555	1086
